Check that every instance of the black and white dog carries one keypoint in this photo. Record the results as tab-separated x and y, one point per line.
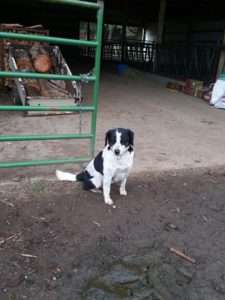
112	164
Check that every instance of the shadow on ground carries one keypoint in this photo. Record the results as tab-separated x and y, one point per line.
60	242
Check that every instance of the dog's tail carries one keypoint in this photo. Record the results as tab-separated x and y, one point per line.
65	176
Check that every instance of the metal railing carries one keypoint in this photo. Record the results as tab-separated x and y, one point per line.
93	109
172	59
135	52
182	61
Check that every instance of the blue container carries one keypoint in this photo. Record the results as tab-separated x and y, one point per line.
121	68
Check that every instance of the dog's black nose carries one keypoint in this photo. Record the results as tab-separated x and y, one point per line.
117	151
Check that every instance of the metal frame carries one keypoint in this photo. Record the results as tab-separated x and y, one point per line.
19	90
93	109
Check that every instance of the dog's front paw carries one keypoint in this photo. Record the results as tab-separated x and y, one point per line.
123	192
108	201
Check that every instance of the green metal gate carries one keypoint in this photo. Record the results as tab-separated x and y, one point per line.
95	78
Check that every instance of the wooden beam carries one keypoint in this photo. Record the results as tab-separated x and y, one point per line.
221	64
161	20
125	6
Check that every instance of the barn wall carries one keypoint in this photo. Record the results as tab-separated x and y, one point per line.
186	31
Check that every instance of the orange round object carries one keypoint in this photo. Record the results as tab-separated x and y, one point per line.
23	63
42	63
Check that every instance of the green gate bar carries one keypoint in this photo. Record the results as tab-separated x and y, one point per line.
95	78
44	162
46	108
44	76
7	138
84	4
50	39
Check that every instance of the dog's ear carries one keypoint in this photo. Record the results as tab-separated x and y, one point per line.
131	135
107	137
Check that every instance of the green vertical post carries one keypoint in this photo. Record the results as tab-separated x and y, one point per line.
97	74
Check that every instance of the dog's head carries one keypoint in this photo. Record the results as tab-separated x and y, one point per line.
119	140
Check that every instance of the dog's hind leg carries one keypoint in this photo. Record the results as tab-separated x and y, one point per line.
96	191
88	184
80	176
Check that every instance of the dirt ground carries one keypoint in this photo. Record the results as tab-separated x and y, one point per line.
172	130
60	242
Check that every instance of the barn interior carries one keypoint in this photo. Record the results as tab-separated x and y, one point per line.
149	50
163	240
167	37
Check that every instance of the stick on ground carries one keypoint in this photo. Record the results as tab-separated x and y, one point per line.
181	254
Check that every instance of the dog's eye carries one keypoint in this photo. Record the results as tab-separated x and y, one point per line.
126	144
112	142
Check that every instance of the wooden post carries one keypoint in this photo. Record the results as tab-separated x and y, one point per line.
77	35
144	35
161	20
221	64
123	50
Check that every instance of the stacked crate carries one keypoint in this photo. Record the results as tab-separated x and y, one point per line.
4	56
193	88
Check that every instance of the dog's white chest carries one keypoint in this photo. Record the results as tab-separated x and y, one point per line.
121	170
121	167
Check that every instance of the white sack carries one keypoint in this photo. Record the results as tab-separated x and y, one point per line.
218	91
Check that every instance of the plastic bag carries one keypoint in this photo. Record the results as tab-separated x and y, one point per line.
220	103
217	93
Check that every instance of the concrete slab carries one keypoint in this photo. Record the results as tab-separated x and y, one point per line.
172	130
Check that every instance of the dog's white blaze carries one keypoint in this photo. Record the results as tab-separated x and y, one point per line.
118	145
65	176
118	138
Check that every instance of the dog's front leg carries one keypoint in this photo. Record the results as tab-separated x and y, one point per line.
107	180
123	191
